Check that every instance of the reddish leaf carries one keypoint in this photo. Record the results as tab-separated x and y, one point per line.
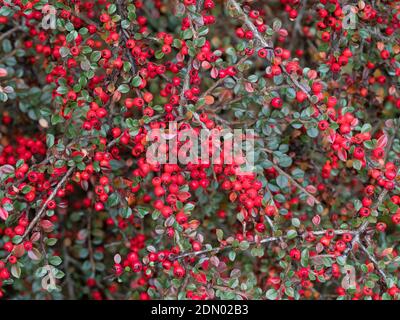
214	73
3	214
382	141
316	220
183	196
3	72
34	254
342	154
47	225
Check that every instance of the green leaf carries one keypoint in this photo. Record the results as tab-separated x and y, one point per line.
7	46
17	239
370	144
112	8
16	271
40	272
72	36
125	24
26	189
55	260
282	181
123	88
69	26
62	90
366	127
357	164
187	34
232	255
291	234
49	140
155	214
199	42
297	173
6	11
19	163
285	161
133	126
188	207
220	234
271	294
95	56
177	44
296	222
341	260
159	55
113	200
202	31
312	132
304	257
277	25
136	81
142	212
244	245
51	241
126	212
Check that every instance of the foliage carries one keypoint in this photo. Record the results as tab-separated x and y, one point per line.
84	215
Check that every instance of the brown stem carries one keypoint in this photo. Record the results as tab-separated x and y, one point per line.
125	37
372	258
266	45
263	241
298	185
9	32
42	210
221	80
90	246
227	289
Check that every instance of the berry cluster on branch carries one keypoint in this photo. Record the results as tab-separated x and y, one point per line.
85	84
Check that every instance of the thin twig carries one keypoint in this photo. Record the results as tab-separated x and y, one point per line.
293	181
375	207
9	32
125	37
263	241
297	24
375	263
42	210
268	46
90	246
227	289
69	281
221	80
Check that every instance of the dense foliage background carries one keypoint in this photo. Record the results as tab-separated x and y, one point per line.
84	215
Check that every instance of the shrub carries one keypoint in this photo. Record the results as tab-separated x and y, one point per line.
85	85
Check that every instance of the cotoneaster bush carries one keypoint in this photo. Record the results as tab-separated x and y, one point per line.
83	213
